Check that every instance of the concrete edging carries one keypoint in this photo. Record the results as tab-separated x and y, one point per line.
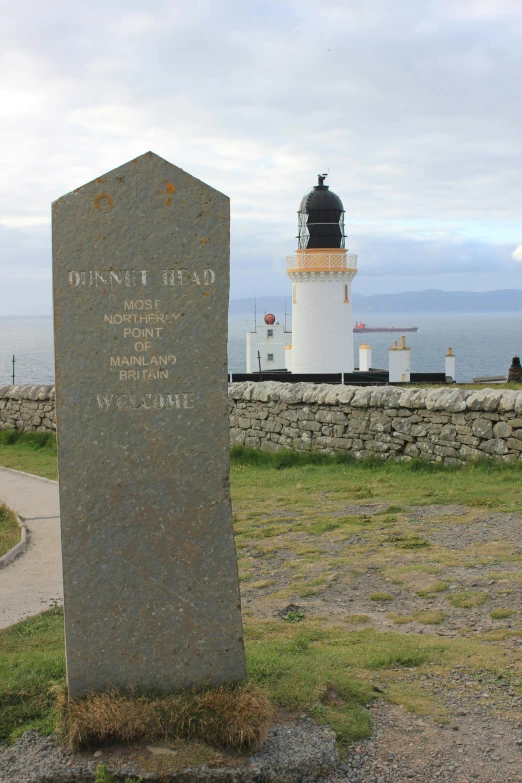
17	549
294	753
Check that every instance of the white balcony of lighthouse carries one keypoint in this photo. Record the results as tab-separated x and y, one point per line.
322	261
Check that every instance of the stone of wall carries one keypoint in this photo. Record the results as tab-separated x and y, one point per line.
27	408
449	425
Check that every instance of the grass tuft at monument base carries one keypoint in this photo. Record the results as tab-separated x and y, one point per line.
9	529
231	717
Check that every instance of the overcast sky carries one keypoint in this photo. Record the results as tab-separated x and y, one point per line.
413	106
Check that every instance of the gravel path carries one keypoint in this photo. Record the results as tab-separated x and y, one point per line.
476	747
33	582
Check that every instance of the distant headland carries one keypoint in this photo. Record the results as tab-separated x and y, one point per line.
429	301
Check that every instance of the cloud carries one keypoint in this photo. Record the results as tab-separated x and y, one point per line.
517	253
409	104
484	9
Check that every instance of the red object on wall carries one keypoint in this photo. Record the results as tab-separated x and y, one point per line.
269	319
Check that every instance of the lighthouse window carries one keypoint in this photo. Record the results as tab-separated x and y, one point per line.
269	332
270	357
346	294
294	293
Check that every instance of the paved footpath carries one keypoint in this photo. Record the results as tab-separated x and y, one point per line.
33	582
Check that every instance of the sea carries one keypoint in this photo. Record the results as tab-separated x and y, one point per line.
483	343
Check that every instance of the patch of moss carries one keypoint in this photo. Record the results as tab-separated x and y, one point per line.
262	583
402	541
305	592
468	599
380	596
429	590
356	619
102	775
399	619
501	614
430	617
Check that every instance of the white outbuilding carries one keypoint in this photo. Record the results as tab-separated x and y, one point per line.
267	345
399	362
451	365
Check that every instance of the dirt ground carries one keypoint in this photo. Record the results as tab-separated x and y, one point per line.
439	570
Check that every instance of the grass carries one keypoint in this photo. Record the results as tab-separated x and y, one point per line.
379	596
468	599
430	617
501	614
327	672
482	483
315	527
9	529
103	775
407	542
506	576
32	680
431	589
321	497
356	619
31	663
399	619
294	616
32	452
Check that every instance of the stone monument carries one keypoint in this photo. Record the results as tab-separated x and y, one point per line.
141	285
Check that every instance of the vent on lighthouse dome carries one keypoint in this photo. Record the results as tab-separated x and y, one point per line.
321	218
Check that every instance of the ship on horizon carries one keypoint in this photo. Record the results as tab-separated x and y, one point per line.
361	327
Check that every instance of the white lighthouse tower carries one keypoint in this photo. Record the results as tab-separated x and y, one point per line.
321	272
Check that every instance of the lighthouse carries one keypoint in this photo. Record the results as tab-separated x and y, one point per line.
321	271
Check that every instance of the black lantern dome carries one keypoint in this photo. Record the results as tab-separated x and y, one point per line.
321	218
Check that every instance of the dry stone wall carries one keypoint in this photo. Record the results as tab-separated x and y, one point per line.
27	408
448	425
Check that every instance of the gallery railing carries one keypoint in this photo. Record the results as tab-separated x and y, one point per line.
322	261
